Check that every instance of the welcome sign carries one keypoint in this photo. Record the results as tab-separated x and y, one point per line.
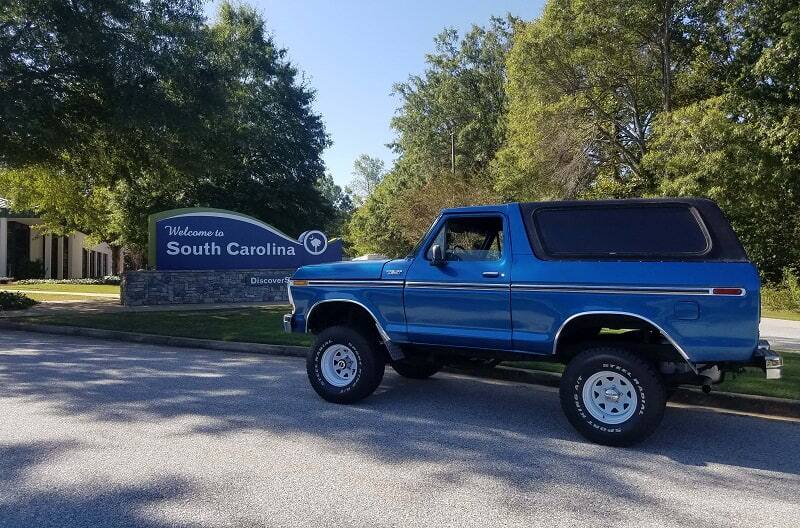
208	239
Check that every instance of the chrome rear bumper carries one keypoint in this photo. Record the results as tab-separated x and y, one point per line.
770	361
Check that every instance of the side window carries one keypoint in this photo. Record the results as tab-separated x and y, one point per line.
632	231
473	238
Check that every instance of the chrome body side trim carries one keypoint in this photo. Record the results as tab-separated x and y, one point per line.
637	290
555	288
355	283
629	314
621	290
457	285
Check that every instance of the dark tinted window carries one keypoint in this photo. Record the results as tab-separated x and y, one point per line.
640	230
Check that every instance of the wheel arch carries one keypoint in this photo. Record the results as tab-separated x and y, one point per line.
600	318
328	312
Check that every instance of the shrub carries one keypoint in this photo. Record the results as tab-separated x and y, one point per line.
110	280
29	269
784	295
15	301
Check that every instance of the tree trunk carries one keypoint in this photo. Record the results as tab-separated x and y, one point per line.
666	60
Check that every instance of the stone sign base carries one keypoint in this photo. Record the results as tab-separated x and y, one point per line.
144	288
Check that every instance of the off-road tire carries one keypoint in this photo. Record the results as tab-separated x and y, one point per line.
650	392
368	375
416	370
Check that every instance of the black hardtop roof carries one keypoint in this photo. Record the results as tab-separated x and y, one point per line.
697	202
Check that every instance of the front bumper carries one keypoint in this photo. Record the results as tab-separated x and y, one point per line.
288	323
770	361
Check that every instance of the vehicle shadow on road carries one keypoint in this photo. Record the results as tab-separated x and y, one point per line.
514	434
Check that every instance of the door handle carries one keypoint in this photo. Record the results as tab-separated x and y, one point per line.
491	274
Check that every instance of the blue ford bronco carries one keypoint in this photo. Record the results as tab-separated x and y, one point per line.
635	297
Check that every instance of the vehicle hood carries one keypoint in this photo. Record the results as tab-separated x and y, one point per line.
362	269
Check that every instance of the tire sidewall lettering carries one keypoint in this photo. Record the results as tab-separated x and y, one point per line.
577	389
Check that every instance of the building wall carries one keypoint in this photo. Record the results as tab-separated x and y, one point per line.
75	247
42	247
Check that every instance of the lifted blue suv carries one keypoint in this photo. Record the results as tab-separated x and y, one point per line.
635	297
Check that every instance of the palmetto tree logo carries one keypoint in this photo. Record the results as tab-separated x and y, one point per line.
315	242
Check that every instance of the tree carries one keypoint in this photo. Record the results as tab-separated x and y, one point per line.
114	110
367	175
461	93
96	95
701	150
272	141
586	80
373	228
459	101
341	202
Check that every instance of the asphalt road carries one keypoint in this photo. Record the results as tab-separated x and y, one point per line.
96	433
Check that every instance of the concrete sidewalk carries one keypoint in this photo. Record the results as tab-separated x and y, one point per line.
68	293
782	334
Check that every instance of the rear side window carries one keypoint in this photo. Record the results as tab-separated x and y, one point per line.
639	231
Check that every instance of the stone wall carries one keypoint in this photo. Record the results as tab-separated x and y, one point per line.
143	288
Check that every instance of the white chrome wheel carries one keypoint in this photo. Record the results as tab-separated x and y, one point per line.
610	397
339	365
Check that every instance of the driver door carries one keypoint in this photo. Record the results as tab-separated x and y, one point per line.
465	300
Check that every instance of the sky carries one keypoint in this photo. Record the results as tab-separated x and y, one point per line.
352	52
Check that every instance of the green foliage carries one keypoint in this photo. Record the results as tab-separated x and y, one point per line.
342	206
700	150
15	301
27	269
461	93
367	175
114	110
585	80
373	228
460	98
636	98
784	295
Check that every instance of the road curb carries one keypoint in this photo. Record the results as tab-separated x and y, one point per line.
153	339
721	400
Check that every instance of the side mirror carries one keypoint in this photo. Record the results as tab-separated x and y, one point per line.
437	255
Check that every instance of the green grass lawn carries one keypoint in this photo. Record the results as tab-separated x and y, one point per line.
68	288
46	297
781	314
251	325
753	382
